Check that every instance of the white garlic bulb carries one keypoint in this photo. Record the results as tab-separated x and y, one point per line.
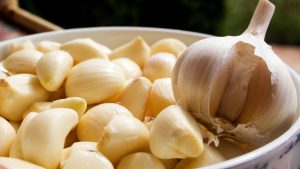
237	84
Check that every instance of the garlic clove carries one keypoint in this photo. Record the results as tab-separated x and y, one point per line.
48	46
135	97
161	96
7	136
131	69
175	134
84	49
76	103
53	68
17	93
12	163
16	147
44	136
236	84
94	80
22	61
3	71
140	160
159	66
209	156
137	50
91	125
169	45
37	107
123	135
16	46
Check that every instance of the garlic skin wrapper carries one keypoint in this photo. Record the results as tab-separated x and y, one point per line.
237	84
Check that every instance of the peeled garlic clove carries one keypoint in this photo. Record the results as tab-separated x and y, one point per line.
159	66
17	93
16	46
84	49
3	72
169	45
22	61
131	69
12	163
91	125
137	50
161	96
37	107
135	97
94	80
175	134
7	136
16	147
209	156
236	84
123	135
87	159
140	160
53	68
44	136
48	46
76	103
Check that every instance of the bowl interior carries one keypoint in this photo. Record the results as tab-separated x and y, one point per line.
116	36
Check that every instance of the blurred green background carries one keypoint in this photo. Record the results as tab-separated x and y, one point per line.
218	17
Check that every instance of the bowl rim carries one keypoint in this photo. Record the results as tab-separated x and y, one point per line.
234	162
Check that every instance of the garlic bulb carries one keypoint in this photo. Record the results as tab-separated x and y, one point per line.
22	61
53	68
161	96
137	50
84	49
91	125
94	80
169	45
237	84
7	136
17	93
159	66
48	46
140	160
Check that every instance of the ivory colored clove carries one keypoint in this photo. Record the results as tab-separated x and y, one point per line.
44	136
140	160
210	155
123	135
12	163
22	61
94	80
48	46
7	136
175	134
84	49
91	125
169	45
76	103
137	50
16	46
135	97
53	68
237	83
131	69
160	97
17	93
37	107
159	66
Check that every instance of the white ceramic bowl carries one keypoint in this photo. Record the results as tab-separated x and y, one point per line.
282	153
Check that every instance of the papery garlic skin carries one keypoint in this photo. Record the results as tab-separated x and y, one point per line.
53	68
237	84
22	61
94	80
159	66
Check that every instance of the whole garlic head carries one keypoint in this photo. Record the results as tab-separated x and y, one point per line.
236	84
